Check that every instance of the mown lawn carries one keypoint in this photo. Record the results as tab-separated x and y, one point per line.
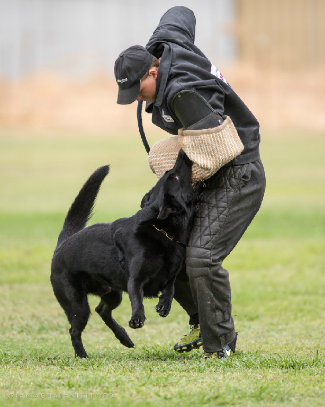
277	273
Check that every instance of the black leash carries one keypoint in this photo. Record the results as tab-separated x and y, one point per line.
143	136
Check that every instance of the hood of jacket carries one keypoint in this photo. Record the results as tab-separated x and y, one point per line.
176	26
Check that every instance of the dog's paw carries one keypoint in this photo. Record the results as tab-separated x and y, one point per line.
162	310
136	323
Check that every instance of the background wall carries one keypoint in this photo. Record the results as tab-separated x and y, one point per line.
57	58
78	38
287	35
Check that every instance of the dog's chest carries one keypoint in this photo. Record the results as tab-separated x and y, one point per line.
159	272
155	285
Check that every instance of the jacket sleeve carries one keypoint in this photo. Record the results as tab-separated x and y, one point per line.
177	25
194	112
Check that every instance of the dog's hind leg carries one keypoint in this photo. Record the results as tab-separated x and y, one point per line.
74	302
79	317
109	302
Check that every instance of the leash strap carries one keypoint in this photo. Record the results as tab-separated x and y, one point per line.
143	136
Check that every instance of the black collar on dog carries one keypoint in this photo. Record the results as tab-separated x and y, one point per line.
168	236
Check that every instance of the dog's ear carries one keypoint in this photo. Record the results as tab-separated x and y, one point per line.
169	206
145	199
165	211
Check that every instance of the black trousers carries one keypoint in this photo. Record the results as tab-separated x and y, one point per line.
229	203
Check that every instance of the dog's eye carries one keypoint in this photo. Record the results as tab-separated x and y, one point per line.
175	176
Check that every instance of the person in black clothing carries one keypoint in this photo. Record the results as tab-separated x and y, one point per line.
179	83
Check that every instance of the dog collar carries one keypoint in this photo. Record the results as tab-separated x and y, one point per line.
168	236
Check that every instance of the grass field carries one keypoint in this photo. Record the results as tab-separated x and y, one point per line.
277	273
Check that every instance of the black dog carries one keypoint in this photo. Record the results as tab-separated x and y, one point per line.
141	255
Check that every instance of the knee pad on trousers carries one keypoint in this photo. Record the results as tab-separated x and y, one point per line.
198	261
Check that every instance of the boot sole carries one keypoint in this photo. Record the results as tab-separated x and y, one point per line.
188	346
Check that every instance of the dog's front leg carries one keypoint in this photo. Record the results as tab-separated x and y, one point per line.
135	291
165	299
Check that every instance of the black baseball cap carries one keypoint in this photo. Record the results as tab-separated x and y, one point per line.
130	67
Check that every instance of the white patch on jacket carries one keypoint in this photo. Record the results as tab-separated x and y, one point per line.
166	117
215	71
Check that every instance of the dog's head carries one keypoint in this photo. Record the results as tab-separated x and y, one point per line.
174	184
172	200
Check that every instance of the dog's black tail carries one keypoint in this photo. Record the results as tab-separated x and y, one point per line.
81	210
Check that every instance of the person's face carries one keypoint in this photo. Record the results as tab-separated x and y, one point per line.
148	86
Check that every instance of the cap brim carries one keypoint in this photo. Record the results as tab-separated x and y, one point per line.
127	96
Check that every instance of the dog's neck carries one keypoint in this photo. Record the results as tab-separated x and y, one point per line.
174	231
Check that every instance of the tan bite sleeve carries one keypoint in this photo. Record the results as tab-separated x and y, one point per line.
209	149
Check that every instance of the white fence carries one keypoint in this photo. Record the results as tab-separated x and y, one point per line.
79	37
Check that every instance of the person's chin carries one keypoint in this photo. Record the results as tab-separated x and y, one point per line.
150	100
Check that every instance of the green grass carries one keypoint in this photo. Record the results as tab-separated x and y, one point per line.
277	273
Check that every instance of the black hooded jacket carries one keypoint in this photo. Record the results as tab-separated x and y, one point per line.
184	66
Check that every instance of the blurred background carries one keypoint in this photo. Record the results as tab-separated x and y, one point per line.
57	58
